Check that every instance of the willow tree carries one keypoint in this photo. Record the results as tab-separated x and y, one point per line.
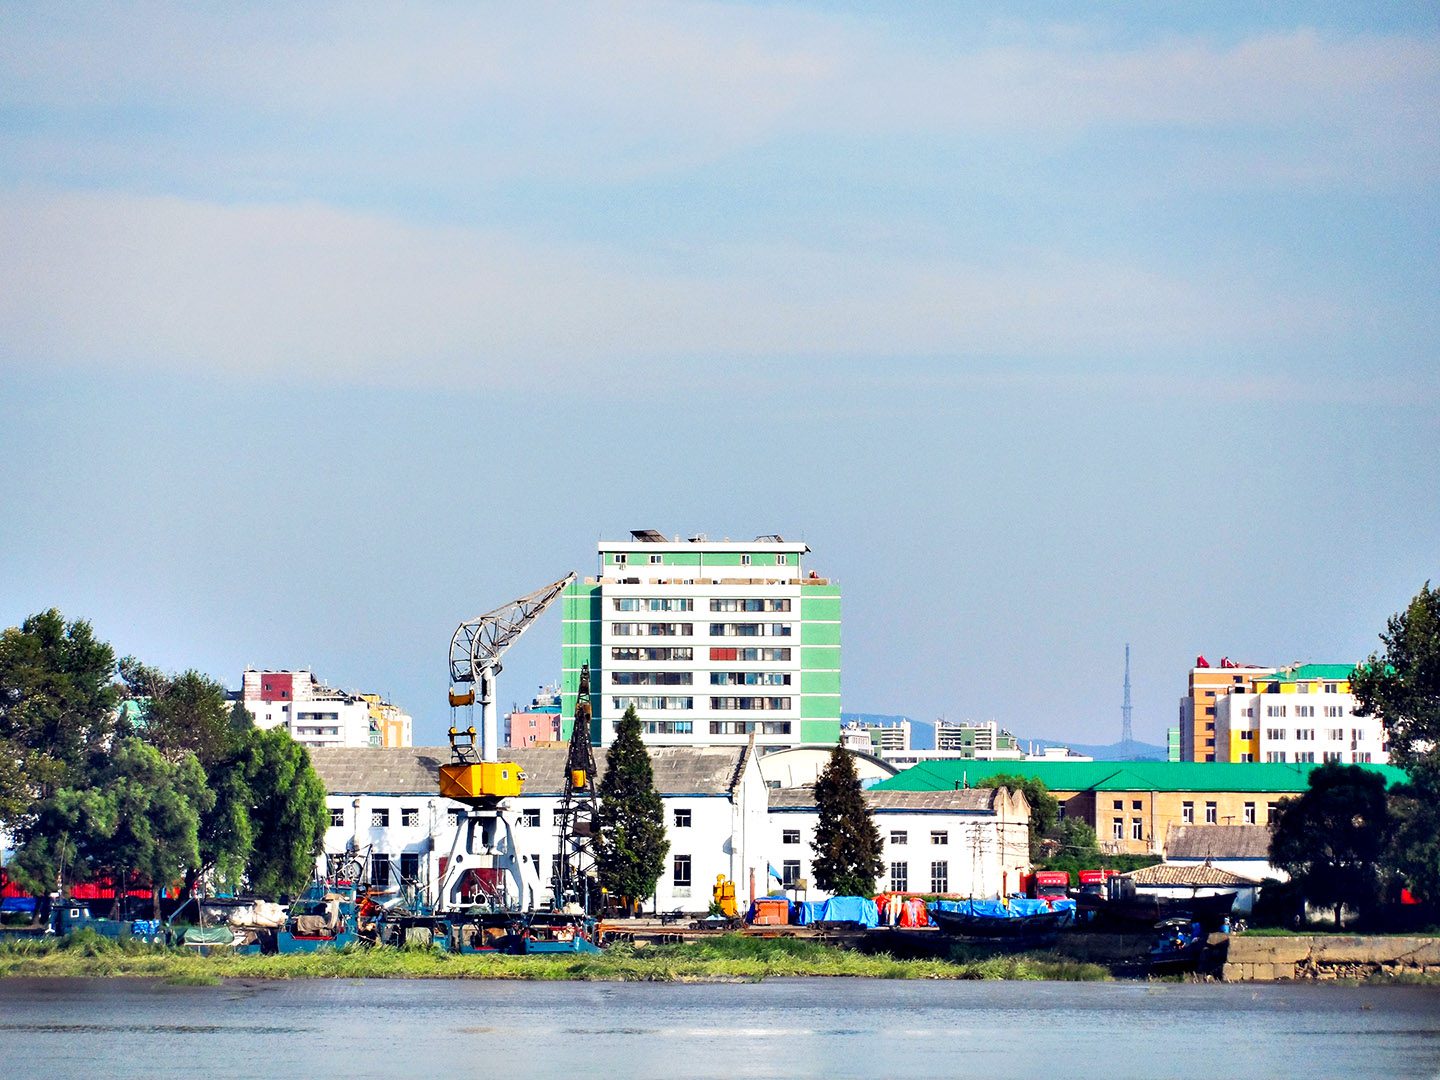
847	842
632	848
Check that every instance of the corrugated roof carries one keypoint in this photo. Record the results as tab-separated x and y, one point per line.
1306	672
679	770
1202	875
1218	842
966	800
1120	775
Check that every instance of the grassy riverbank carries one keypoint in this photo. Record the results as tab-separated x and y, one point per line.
733	958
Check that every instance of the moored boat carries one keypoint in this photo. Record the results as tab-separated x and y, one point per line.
1016	916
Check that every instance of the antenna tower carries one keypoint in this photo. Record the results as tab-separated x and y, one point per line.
1127	736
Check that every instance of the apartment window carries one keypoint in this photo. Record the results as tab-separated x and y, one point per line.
1119	804
659	629
744	560
1211	814
1305	734
790	836
680	871
337	817
1274	710
940	836
1330	687
1187	813
621	558
652	652
1271	809
738	603
656	560
651	678
747	678
379	819
1249	813
530	818
682	819
1333	755
1249	710
745	727
1137	829
1360	757
1335	734
749	655
1304	711
1247	759
654	603
753	704
782	560
409	866
1117	828
939	877
899	877
790	873
1275	756
749	629
409	817
1210	710
653	702
665	727
899	836
1356	734
1303	757
380	871
1275	734
1136	804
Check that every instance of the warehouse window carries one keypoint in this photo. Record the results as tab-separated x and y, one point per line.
409	816
410	866
1117	828
1137	829
790	836
899	877
380	871
337	817
940	837
899	836
939	877
1187	813
790	873
680	872
530	818
1211	815
682	819
379	819
1249	813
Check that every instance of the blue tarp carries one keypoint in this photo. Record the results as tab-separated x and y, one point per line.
851	909
995	909
17	904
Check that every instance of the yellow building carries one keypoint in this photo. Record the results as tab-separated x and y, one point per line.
1198	707
1303	714
389	724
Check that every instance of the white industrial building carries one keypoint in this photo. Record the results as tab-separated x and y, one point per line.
721	819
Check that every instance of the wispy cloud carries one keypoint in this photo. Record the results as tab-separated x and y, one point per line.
318	293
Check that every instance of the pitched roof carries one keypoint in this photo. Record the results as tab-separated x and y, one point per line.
1218	842
679	770
966	800
1202	875
1120	775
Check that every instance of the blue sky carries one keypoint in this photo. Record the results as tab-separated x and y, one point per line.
1048	328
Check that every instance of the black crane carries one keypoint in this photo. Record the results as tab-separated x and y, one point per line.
575	876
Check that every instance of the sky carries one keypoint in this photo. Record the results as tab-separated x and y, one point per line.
1048	327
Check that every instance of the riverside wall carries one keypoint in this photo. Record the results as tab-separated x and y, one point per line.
1329	956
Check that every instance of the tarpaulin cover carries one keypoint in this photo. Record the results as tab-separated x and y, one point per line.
1018	906
11	904
851	909
210	935
809	911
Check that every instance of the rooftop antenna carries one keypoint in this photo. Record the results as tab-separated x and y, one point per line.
1127	735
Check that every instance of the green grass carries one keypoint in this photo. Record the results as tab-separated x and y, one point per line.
732	958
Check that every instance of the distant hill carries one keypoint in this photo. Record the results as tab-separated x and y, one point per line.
1137	751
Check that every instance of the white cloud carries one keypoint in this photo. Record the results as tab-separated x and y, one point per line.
316	293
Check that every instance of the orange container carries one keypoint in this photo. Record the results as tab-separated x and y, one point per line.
771	912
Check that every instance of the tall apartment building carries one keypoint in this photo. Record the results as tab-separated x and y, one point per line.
983	741
890	738
710	641
1303	714
1198	706
320	715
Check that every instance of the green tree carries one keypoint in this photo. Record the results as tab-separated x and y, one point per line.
1332	838
630	856
57	707
1401	685
1044	807
847	845
288	814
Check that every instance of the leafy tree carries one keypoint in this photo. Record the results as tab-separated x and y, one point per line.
1075	839
57	707
630	856
1332	839
288	814
1402	686
1044	807
847	844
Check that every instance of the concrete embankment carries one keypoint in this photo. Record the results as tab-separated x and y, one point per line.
1329	956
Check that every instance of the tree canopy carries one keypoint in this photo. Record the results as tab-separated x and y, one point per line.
1332	839
631	854
1044	807
847	850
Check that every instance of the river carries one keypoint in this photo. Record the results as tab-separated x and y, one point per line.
783	1028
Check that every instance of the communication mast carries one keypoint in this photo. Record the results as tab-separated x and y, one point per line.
1127	735
575	876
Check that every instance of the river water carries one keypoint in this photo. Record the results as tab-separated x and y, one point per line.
783	1028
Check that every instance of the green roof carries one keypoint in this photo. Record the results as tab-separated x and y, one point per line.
1307	672
1119	775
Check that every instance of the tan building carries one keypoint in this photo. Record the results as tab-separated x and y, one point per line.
1199	705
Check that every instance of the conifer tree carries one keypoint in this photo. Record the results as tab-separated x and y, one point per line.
847	843
632	848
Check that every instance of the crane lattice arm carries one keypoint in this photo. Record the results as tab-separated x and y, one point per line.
477	644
